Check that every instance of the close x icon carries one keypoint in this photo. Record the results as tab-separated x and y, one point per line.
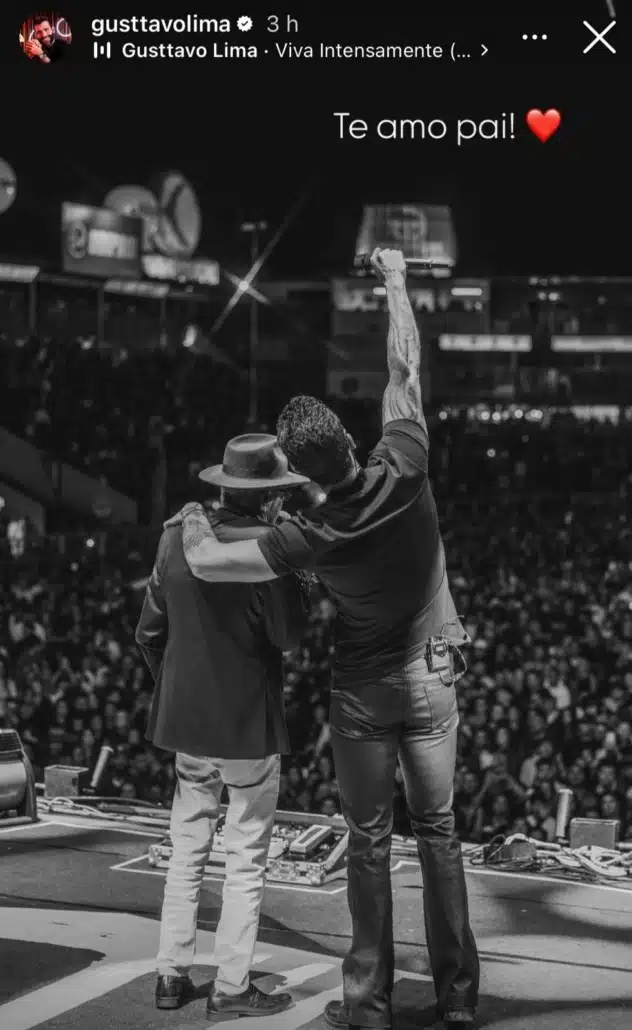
600	37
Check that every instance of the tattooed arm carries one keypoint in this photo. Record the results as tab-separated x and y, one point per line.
402	397
208	559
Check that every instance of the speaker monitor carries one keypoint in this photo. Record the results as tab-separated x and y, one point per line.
602	833
64	781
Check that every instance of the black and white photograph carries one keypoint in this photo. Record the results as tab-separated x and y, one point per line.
315	546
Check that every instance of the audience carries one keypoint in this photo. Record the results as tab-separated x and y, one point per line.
546	593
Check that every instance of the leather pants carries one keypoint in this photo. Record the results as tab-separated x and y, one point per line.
410	716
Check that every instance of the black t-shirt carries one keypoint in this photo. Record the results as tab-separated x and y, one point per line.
376	546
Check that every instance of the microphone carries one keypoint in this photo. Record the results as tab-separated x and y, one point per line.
363	263
99	769
564	798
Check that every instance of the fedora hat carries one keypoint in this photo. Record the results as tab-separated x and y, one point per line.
253	462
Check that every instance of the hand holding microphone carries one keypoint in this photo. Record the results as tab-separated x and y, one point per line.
388	261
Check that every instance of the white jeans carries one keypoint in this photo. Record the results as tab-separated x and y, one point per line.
253	789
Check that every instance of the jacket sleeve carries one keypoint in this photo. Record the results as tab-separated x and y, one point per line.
286	610
153	626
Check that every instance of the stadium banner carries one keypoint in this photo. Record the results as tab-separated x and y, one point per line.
52	482
99	242
591	344
171	229
423	233
199	271
505	344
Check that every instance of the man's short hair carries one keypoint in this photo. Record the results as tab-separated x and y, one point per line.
39	18
314	440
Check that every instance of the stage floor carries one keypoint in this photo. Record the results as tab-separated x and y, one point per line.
79	906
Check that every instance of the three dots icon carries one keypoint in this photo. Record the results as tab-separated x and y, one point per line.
534	37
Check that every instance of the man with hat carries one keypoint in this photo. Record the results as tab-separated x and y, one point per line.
216	655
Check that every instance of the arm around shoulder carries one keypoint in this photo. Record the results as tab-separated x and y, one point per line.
239	562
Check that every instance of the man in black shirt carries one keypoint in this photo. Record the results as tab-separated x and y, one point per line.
376	546
45	46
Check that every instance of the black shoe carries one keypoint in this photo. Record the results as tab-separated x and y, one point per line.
460	1019
336	1016
172	991
252	1002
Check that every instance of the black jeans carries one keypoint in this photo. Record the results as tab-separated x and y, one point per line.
411	715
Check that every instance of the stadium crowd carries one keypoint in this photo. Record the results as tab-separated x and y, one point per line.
544	585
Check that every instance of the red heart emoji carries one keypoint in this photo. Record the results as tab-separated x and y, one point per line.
543	123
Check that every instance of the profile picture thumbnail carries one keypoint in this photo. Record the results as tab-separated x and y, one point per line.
45	37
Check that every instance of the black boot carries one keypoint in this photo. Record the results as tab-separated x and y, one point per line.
336	1016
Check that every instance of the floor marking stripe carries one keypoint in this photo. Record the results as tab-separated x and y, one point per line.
21	826
85	824
89	824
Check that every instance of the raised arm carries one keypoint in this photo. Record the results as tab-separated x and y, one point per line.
208	559
402	397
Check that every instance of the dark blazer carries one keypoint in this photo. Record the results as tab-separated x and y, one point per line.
215	652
